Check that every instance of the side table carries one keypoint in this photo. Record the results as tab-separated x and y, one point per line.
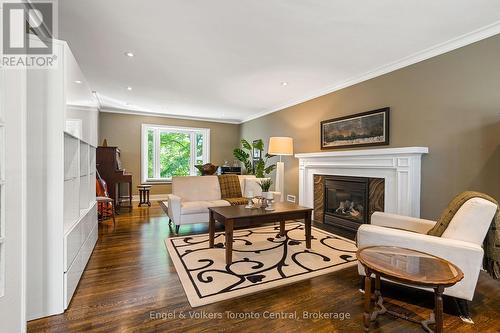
409	267
144	195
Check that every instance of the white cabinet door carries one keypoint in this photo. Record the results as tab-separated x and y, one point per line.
12	200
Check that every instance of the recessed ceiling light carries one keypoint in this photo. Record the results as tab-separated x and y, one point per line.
284	83
129	54
129	88
78	81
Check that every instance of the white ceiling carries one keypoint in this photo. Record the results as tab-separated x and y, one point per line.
226	59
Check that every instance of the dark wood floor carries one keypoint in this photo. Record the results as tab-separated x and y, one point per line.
130	276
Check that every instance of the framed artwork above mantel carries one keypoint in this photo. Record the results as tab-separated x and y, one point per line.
359	130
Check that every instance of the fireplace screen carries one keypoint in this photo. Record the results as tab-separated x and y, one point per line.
346	198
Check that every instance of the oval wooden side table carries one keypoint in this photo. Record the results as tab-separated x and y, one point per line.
409	267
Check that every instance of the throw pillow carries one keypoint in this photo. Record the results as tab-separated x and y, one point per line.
229	186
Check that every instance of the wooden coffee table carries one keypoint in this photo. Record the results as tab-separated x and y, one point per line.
409	267
231	216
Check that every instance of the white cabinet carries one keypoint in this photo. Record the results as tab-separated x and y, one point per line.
71	205
83	237
62	220
84	176
79	198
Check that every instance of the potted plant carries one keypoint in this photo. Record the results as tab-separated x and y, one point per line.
265	185
257	166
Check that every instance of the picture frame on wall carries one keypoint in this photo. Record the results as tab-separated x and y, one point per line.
359	130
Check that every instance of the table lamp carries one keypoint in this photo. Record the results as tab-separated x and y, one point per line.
281	146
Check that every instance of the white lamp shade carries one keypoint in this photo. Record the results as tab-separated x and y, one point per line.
279	145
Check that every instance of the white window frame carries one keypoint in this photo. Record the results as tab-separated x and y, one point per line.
192	131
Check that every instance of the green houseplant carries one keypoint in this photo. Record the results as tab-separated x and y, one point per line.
265	185
257	167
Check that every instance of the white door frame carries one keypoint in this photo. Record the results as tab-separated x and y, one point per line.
13	119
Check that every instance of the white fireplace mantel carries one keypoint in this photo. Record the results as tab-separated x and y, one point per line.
399	167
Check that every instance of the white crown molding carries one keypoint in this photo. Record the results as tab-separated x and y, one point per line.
83	107
450	45
163	115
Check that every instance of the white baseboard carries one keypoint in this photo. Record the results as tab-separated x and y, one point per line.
152	197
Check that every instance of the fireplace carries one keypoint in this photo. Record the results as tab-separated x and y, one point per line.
393	173
347	202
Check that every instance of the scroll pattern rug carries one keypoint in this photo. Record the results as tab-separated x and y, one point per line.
261	260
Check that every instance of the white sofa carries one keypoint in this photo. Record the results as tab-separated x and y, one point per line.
193	195
460	243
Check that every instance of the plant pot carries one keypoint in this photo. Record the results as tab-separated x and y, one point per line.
269	200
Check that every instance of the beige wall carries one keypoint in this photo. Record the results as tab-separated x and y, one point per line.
450	103
124	131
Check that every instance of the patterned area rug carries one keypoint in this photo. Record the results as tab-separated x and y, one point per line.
261	260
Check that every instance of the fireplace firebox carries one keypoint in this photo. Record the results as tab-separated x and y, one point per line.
346	201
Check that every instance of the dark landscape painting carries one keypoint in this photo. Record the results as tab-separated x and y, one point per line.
363	129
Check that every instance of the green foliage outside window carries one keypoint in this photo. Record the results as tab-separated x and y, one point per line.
151	157
199	149
175	151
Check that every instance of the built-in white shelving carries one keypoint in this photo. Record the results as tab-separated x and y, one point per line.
79	182
84	158
71	205
84	176
70	157
92	173
62	219
80	229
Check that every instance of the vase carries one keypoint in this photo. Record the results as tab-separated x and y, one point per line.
263	201
269	197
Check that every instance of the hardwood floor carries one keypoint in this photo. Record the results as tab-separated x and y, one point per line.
131	277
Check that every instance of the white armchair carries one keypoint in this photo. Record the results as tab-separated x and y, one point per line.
461	243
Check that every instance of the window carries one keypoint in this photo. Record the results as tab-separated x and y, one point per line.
169	151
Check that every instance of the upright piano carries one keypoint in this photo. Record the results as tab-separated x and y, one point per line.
110	168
